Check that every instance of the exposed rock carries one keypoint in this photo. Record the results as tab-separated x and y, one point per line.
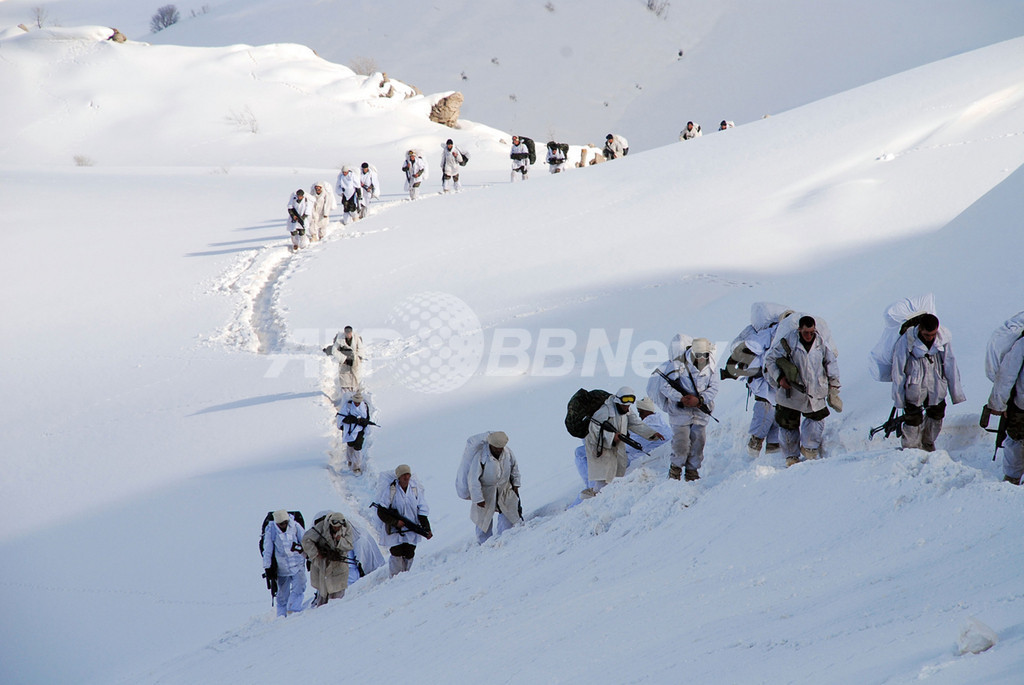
446	110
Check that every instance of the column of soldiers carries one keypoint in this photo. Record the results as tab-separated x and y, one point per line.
788	361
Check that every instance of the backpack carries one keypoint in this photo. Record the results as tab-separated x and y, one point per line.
465	158
581	407
462	477
1003	338
899	317
297	515
528	142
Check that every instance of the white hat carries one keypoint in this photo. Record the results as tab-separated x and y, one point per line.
345	169
402	469
497	439
625	395
281	516
701	346
647	404
357	396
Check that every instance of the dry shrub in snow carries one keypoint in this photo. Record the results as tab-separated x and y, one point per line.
164	17
364	66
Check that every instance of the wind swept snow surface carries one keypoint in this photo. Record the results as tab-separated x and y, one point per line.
164	385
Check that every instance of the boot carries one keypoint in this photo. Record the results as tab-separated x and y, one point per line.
1010	479
691	474
675	472
809	453
792	461
771	448
754	446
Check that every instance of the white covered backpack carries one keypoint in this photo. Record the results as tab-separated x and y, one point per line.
1003	338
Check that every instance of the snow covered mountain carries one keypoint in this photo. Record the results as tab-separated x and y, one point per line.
164	385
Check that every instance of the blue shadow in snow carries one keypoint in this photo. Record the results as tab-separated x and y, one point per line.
254	401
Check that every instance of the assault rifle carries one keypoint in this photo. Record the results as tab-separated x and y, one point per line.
295	217
894	424
678	387
392	516
790	370
357	420
624	437
1000	429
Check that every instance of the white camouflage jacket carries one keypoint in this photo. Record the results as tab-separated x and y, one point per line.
922	375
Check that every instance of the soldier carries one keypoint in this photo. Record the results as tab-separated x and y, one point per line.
803	369
451	159
349	194
1005	367
320	215
520	158
494	481
298	217
282	542
686	386
354	421
415	168
923	372
606	452
327	545
347	349
369	184
691	131
402	494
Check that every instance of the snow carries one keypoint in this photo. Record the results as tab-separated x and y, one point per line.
164	385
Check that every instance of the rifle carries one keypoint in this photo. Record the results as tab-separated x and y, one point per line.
295	217
1000	429
894	424
394	515
624	437
271	576
328	553
789	369
678	387
357	420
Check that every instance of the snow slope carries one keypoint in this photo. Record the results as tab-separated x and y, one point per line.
577	69
164	386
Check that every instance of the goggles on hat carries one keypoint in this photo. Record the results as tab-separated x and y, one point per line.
627	399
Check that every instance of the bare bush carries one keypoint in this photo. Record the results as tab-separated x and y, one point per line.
244	120
364	66
164	17
40	15
82	160
658	7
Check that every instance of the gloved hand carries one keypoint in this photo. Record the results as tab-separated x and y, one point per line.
331	554
833	399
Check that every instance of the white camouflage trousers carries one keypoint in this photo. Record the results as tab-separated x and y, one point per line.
809	436
762	423
923	436
688	446
1013	458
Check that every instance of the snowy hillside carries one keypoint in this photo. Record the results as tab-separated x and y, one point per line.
164	385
